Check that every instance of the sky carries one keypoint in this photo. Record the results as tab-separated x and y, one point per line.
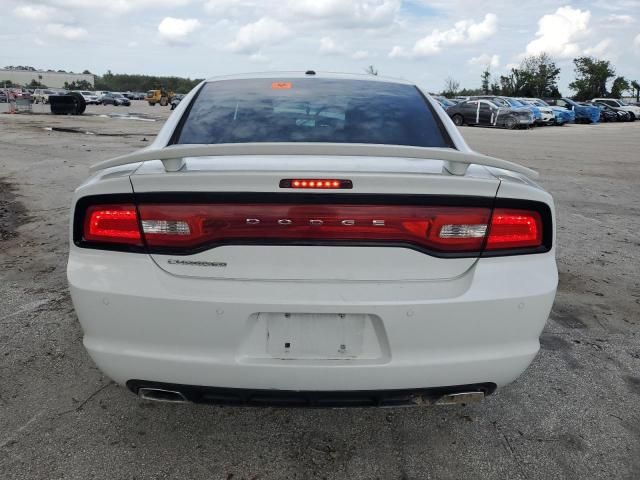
422	41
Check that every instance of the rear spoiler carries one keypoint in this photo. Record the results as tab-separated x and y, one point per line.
455	161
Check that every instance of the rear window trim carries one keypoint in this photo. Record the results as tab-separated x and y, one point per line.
446	137
443	130
178	130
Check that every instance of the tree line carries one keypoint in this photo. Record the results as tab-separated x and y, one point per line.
122	82
116	82
537	76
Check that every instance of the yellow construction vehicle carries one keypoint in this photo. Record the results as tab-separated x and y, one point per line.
161	96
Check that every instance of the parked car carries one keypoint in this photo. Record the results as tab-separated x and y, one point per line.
444	102
584	114
116	99
100	94
508	102
176	100
134	95
41	95
487	113
89	97
4	97
614	114
605	115
612	102
561	114
547	116
311	240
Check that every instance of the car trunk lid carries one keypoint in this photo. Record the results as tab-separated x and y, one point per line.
259	230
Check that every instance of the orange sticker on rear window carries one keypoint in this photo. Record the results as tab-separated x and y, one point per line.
281	85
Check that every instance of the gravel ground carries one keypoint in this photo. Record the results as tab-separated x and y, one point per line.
574	414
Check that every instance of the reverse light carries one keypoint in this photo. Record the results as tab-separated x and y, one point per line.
165	227
463	231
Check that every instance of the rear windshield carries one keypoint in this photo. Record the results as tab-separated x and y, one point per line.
311	110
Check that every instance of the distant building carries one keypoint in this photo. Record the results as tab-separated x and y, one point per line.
50	79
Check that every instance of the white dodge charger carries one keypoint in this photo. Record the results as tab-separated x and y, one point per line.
309	239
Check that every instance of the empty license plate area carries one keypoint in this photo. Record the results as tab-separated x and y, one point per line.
315	336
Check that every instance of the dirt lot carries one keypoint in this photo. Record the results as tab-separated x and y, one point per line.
574	414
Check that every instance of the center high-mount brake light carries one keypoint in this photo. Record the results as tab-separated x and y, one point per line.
316	183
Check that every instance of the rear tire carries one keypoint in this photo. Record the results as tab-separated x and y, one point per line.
458	120
510	123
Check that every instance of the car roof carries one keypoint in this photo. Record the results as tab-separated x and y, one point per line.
317	74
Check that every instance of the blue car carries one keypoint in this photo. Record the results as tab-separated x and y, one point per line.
584	114
561	114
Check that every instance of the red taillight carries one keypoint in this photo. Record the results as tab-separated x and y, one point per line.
514	229
454	229
183	228
316	183
112	224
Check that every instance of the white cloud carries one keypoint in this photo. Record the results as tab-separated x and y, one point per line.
599	49
328	46
67	32
366	13
559	32
35	12
253	36
177	30
398	52
360	55
361	32
464	32
619	18
121	6
230	8
330	13
476	32
259	58
485	59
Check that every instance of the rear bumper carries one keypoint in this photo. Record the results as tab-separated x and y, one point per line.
293	398
143	323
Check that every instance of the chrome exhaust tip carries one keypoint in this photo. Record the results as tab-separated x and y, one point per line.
161	395
462	398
